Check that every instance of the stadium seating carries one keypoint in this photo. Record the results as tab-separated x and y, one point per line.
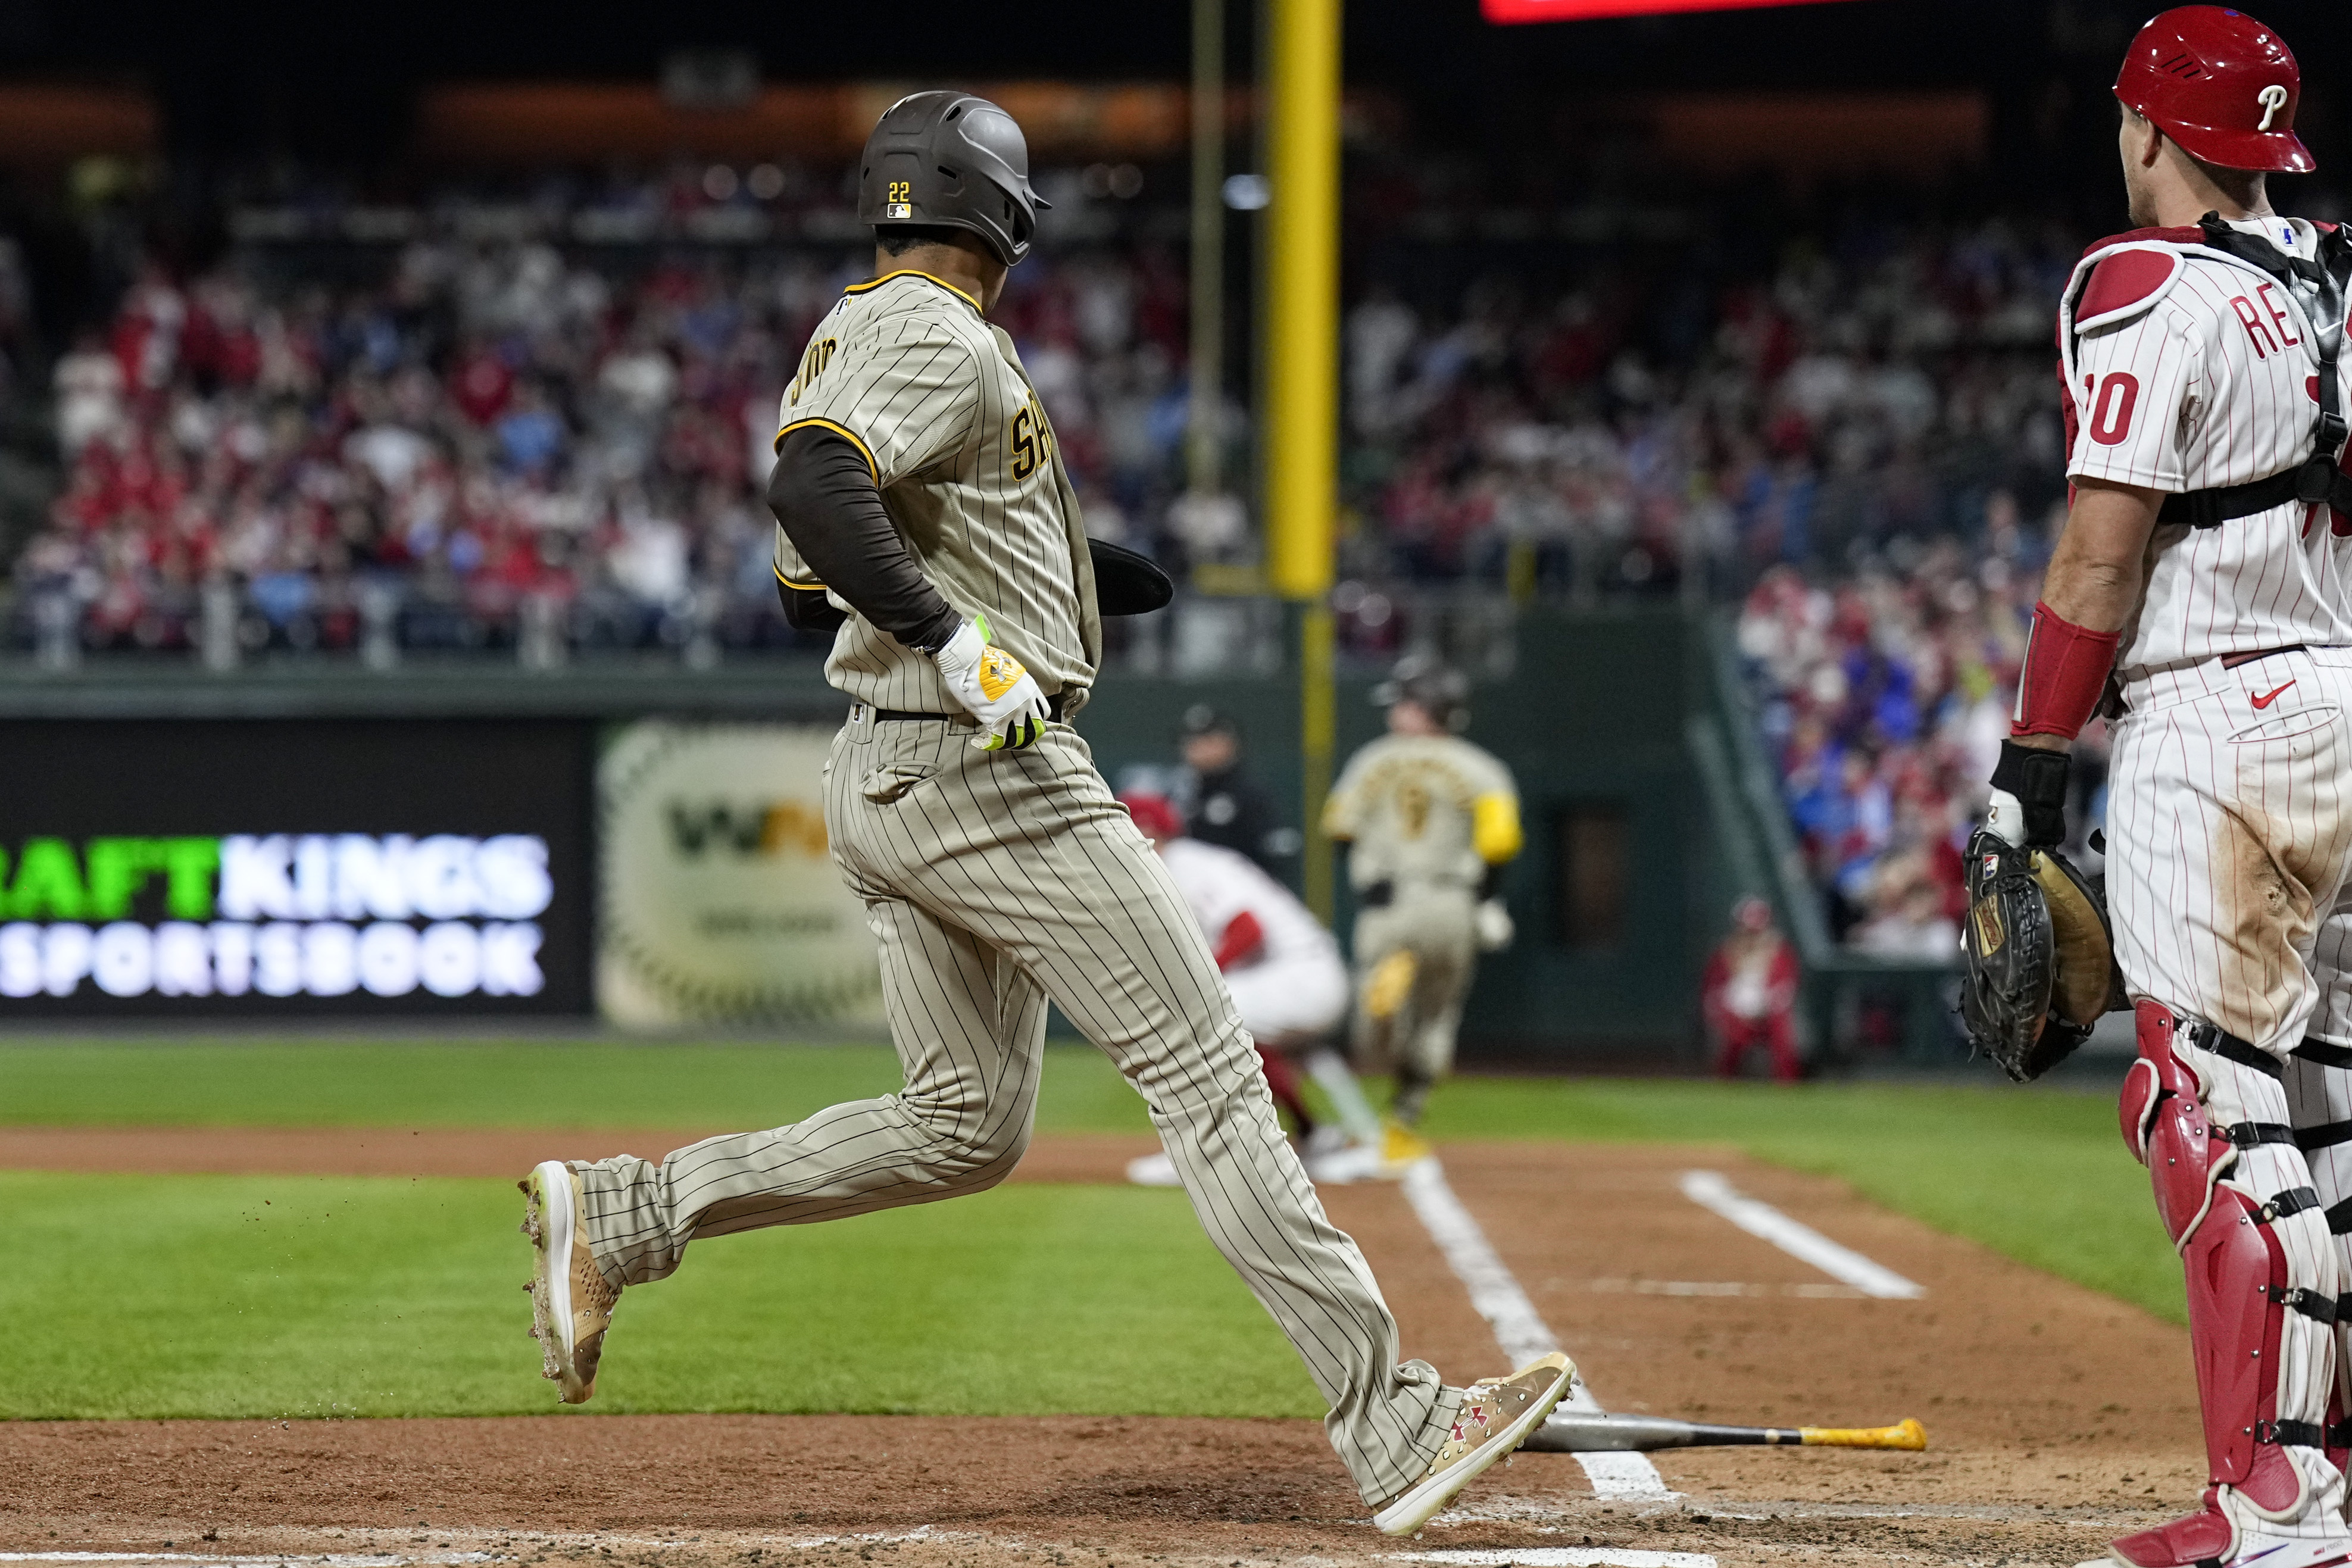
478	439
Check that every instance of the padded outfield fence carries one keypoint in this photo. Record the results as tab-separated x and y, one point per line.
324	799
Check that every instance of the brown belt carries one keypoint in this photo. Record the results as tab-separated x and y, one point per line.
2232	660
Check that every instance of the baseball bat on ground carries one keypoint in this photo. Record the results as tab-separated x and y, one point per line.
1577	1432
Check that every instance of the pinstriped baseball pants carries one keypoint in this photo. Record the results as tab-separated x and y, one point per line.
2228	837
995	881
2230	834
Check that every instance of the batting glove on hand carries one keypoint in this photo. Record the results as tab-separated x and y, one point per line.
1492	921
993	689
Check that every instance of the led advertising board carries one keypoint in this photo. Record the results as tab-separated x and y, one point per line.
1592	10
294	867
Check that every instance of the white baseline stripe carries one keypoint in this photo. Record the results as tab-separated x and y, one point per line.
1519	1328
1711	1191
1561	1557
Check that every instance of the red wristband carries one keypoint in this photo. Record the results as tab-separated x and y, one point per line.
1242	937
2065	670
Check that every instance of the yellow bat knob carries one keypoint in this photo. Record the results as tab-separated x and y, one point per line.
1908	1434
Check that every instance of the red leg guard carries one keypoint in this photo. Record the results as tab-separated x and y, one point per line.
2236	1272
2203	1537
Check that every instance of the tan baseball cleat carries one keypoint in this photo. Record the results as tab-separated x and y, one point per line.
1494	1419
571	1302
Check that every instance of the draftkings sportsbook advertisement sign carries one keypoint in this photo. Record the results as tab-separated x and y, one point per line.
294	867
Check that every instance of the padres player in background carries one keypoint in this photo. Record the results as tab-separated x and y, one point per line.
1430	821
920	494
2204	562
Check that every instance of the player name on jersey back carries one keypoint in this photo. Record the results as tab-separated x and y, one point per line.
937	401
2191	370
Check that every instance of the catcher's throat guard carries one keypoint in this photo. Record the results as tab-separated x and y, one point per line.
2041	956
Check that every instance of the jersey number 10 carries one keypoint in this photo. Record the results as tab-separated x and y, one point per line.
2111	406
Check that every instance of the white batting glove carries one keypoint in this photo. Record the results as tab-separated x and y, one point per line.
993	689
1492	921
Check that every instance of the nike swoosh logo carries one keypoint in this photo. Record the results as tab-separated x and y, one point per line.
2267	698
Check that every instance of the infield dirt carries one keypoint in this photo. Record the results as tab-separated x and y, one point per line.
2058	1417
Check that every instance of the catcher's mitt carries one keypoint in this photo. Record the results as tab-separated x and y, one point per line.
2041	956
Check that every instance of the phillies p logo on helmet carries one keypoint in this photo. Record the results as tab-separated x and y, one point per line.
2222	85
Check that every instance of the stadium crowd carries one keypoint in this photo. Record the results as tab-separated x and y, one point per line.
1882	702
1858	436
1887	383
488	424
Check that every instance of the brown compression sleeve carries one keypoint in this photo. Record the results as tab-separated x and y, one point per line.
823	493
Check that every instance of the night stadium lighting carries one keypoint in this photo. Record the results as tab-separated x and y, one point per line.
1592	10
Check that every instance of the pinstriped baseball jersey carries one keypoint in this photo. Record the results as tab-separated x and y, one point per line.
937	400
994	880
1411	805
2198	374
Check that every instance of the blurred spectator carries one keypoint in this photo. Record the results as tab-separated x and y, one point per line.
478	421
1879	383
1883	700
1748	993
482	423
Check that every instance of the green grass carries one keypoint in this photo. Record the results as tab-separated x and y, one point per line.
191	1294
2040	1174
493	1083
217	1296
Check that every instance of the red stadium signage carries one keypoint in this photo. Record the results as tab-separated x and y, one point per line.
1591	10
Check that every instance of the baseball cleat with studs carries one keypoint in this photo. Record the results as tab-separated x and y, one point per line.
571	1303
1495	1418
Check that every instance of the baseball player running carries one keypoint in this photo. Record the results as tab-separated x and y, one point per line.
922	494
1287	981
1430	820
2204	561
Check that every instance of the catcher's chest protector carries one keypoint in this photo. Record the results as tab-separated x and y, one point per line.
2124	277
2261	1269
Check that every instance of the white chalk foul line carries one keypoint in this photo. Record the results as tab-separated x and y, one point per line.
1710	1191
1519	1328
1561	1557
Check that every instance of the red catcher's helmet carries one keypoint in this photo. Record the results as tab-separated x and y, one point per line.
1154	814
2222	85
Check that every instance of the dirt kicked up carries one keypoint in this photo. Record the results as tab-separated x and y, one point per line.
2057	1417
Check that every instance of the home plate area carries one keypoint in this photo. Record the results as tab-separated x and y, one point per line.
2057	1418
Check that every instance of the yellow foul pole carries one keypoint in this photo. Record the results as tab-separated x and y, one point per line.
1300	436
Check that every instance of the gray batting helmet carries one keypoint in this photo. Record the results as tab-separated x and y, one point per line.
1440	693
948	160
